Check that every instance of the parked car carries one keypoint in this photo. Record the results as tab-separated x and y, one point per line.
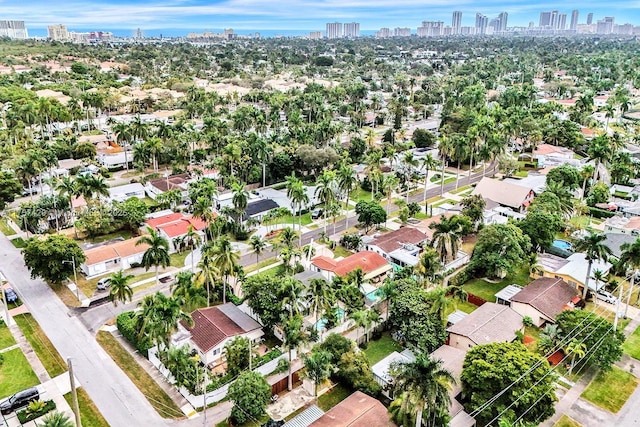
19	400
606	297
103	283
10	295
317	213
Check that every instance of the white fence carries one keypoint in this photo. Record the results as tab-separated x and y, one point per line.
221	392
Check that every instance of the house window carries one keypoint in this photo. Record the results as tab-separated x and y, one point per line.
216	351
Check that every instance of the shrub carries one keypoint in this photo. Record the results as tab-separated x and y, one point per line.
283	366
128	326
600	213
27	415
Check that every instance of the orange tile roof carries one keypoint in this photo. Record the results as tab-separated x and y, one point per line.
165	219
367	261
324	263
113	250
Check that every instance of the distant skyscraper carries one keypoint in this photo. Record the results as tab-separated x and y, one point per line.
590	19
605	26
352	30
58	32
502	21
334	30
481	23
456	22
545	19
562	21
315	35
574	20
402	32
13	29
383	33
554	19
431	28
138	34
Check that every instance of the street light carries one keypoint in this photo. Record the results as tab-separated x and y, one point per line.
75	275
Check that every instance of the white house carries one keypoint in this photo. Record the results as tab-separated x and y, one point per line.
401	247
105	258
124	192
381	370
212	328
115	160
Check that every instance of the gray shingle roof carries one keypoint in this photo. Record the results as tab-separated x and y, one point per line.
547	295
488	324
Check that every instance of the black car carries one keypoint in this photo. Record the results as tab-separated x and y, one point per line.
10	295
19	400
317	213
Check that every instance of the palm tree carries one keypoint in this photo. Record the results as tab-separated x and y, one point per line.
317	367
447	237
188	291
630	258
158	252
389	183
429	265
576	349
202	210
440	303
360	319
594	249
90	186
427	163
160	316
410	163
240	200
225	259
294	336
258	245
292	295
192	239
120	290
326	192
388	292
586	172
373	317
425	386
346	181
57	419
320	295
208	273
298	196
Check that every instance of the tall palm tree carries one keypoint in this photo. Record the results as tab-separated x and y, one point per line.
317	367
630	258
160	316
440	303
320	295
188	291
258	245
359	317
326	192
594	249
389	183
373	317
294	336
410	163
202	209
192	239
225	259
157	255
427	163
447	237
298	196
346	181
425	386
577	349
120	289
208	274
429	265
292	292
240	200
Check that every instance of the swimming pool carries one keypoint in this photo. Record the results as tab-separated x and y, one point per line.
562	244
375	295
320	324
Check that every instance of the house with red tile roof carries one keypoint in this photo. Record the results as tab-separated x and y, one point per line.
176	225
372	264
212	328
112	256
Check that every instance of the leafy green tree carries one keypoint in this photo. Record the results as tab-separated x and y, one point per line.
604	345
567	175
500	249
263	297
473	208
354	370
10	187
51	258
318	367
119	290
236	352
599	193
250	395
540	226
522	381
132	212
336	345
370	214
157	254
424	386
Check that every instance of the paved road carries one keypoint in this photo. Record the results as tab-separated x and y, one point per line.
250	259
121	403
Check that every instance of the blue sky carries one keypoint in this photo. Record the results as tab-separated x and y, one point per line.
182	16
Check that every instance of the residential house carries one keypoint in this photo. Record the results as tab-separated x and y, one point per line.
212	328
543	299
623	225
572	270
505	193
357	410
175	225
124	192
489	323
112	256
504	295
381	370
401	247
280	197
373	265
547	155
452	360
158	186
258	209
615	241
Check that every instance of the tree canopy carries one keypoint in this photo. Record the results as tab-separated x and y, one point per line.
500	249
52	258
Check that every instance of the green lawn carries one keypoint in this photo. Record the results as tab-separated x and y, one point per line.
288	219
632	345
611	390
5	229
359	194
271	272
15	373
177	259
18	242
6	339
379	349
487	290
90	416
47	353
263	263
126	234
461	189
339	251
566	421
156	396
442	202
334	396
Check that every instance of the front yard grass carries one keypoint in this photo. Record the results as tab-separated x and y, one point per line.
90	416
47	353
5	228
632	344
339	251
156	396
359	194
567	421
177	259
379	349
334	396
289	219
15	373
6	339
486	290
18	242
610	390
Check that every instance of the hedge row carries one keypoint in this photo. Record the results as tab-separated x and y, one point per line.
128	327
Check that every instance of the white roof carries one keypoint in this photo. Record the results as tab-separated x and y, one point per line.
404	256
508	292
577	266
503	192
381	369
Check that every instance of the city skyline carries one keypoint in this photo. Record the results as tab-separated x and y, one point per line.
182	16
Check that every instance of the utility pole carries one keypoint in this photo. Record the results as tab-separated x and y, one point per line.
615	321
74	394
